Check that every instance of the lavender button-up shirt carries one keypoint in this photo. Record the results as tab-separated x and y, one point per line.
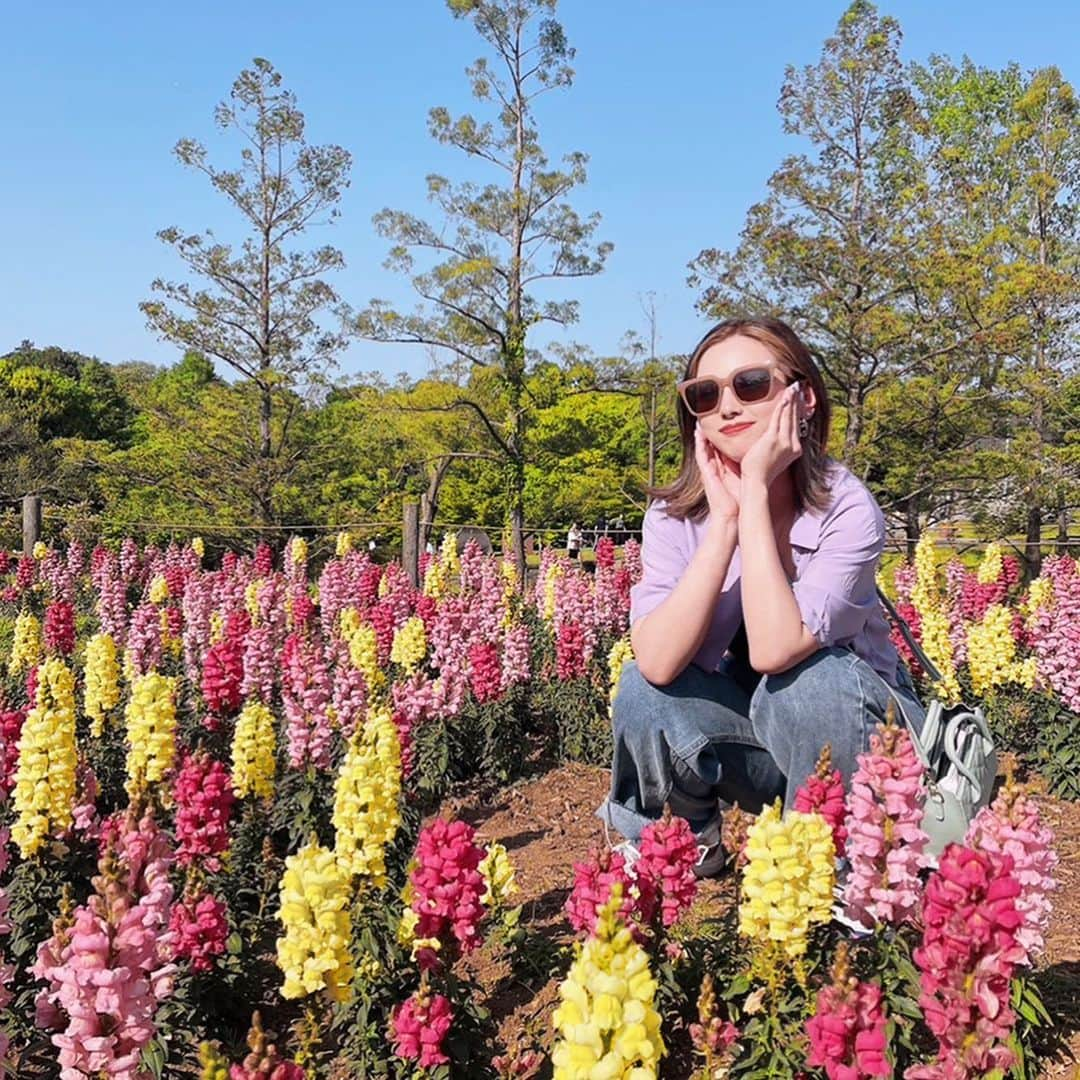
835	554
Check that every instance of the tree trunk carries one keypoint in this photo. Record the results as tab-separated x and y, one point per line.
265	483
1062	526
911	528
652	436
854	423
1033	543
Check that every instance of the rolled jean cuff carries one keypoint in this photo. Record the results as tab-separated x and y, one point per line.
630	823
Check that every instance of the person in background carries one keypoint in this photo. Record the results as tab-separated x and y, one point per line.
757	632
573	541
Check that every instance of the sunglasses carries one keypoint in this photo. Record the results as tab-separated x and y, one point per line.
749	384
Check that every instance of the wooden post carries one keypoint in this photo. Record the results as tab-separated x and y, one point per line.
31	522
410	540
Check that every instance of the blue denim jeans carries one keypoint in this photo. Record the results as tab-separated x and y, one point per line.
735	736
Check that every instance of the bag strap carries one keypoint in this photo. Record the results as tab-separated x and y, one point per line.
912	644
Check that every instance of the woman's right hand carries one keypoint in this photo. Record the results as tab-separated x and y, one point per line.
721	483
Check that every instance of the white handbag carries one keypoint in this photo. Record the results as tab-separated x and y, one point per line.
957	752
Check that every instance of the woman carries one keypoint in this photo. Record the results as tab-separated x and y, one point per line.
756	627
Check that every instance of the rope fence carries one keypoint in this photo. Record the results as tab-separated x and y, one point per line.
547	533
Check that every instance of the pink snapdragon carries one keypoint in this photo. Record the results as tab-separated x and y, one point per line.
847	1032
570	657
668	854
306	691
1055	631
419	1027
885	843
200	925
11	722
58	628
823	793
1011	826
516	656
485	671
447	886
593	881
110	968
967	959
223	668
204	800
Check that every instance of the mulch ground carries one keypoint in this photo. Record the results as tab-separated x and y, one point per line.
548	823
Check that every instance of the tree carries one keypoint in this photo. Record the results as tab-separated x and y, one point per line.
196	460
833	248
501	240
1007	149
258	309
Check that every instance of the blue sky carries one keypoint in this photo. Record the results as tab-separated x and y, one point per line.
675	102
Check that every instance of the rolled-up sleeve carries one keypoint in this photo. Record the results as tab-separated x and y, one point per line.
663	559
836	589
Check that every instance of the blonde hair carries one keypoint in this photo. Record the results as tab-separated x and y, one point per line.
685	495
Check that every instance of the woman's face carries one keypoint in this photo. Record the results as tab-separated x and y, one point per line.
735	426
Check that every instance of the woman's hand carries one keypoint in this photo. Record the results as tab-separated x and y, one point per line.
779	445
720	481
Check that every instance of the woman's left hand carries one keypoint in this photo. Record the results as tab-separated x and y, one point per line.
778	446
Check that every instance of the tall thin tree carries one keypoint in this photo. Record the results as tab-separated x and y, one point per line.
257	309
499	241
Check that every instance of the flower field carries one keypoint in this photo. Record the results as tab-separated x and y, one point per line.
230	846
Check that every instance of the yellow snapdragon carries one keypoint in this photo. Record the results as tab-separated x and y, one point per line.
366	816
364	654
251	599
551	584
926	596
212	1066
26	644
410	644
448	554
937	645
198	547
253	748
991	566
607	1024
787	880
348	623
40	550
436	582
298	550
511	593
313	953
151	730
343	545
101	689
44	791
926	592
498	873
1040	594
158	592
622	652
991	650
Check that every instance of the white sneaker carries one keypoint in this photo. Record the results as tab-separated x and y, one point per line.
630	854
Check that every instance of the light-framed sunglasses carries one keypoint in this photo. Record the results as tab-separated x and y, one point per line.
750	384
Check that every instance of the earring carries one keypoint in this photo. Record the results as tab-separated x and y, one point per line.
804	428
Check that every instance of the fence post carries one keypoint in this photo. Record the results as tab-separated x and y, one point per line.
31	523
410	540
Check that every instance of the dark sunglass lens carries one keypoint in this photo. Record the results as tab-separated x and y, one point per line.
752	385
702	397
